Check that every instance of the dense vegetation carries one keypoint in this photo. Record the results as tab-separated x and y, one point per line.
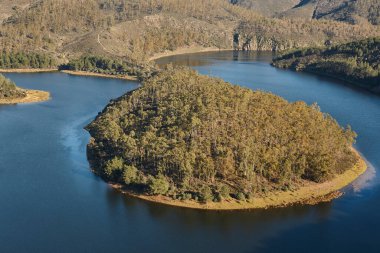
14	60
189	136
357	62
104	65
8	89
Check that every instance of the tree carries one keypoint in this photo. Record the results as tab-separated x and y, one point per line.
159	185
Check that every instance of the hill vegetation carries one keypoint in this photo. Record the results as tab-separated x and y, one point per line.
17	60
357	62
354	12
189	136
136	30
9	90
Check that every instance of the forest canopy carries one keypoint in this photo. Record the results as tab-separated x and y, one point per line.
19	59
106	65
189	136
357	62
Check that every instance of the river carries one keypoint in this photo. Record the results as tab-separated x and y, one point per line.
50	201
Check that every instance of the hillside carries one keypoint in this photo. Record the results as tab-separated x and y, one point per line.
267	7
356	62
137	30
359	11
189	136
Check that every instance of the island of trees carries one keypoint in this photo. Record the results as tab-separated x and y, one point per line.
11	94
187	137
357	62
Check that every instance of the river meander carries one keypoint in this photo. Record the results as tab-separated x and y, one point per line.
50	201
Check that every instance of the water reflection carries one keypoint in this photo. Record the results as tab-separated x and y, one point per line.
212	58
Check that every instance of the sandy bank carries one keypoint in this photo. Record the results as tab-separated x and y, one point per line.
310	193
85	73
186	50
32	96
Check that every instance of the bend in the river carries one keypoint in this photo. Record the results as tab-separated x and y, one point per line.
52	202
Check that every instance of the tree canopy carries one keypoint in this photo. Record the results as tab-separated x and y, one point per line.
190	136
19	59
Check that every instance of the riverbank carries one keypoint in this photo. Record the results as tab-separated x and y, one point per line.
32	96
309	194
344	79
85	73
27	70
186	50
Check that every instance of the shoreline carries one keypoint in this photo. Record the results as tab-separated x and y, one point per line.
27	70
310	194
76	73
346	81
186	50
32	96
85	73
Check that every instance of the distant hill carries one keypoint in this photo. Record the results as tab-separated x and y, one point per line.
359	11
140	29
356	62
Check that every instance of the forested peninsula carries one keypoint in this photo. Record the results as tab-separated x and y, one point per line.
356	62
11	94
190	140
107	67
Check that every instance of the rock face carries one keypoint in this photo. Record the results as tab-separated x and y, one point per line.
284	34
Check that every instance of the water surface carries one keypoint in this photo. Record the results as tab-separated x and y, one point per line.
51	202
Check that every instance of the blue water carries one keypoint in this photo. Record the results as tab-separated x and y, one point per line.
51	202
